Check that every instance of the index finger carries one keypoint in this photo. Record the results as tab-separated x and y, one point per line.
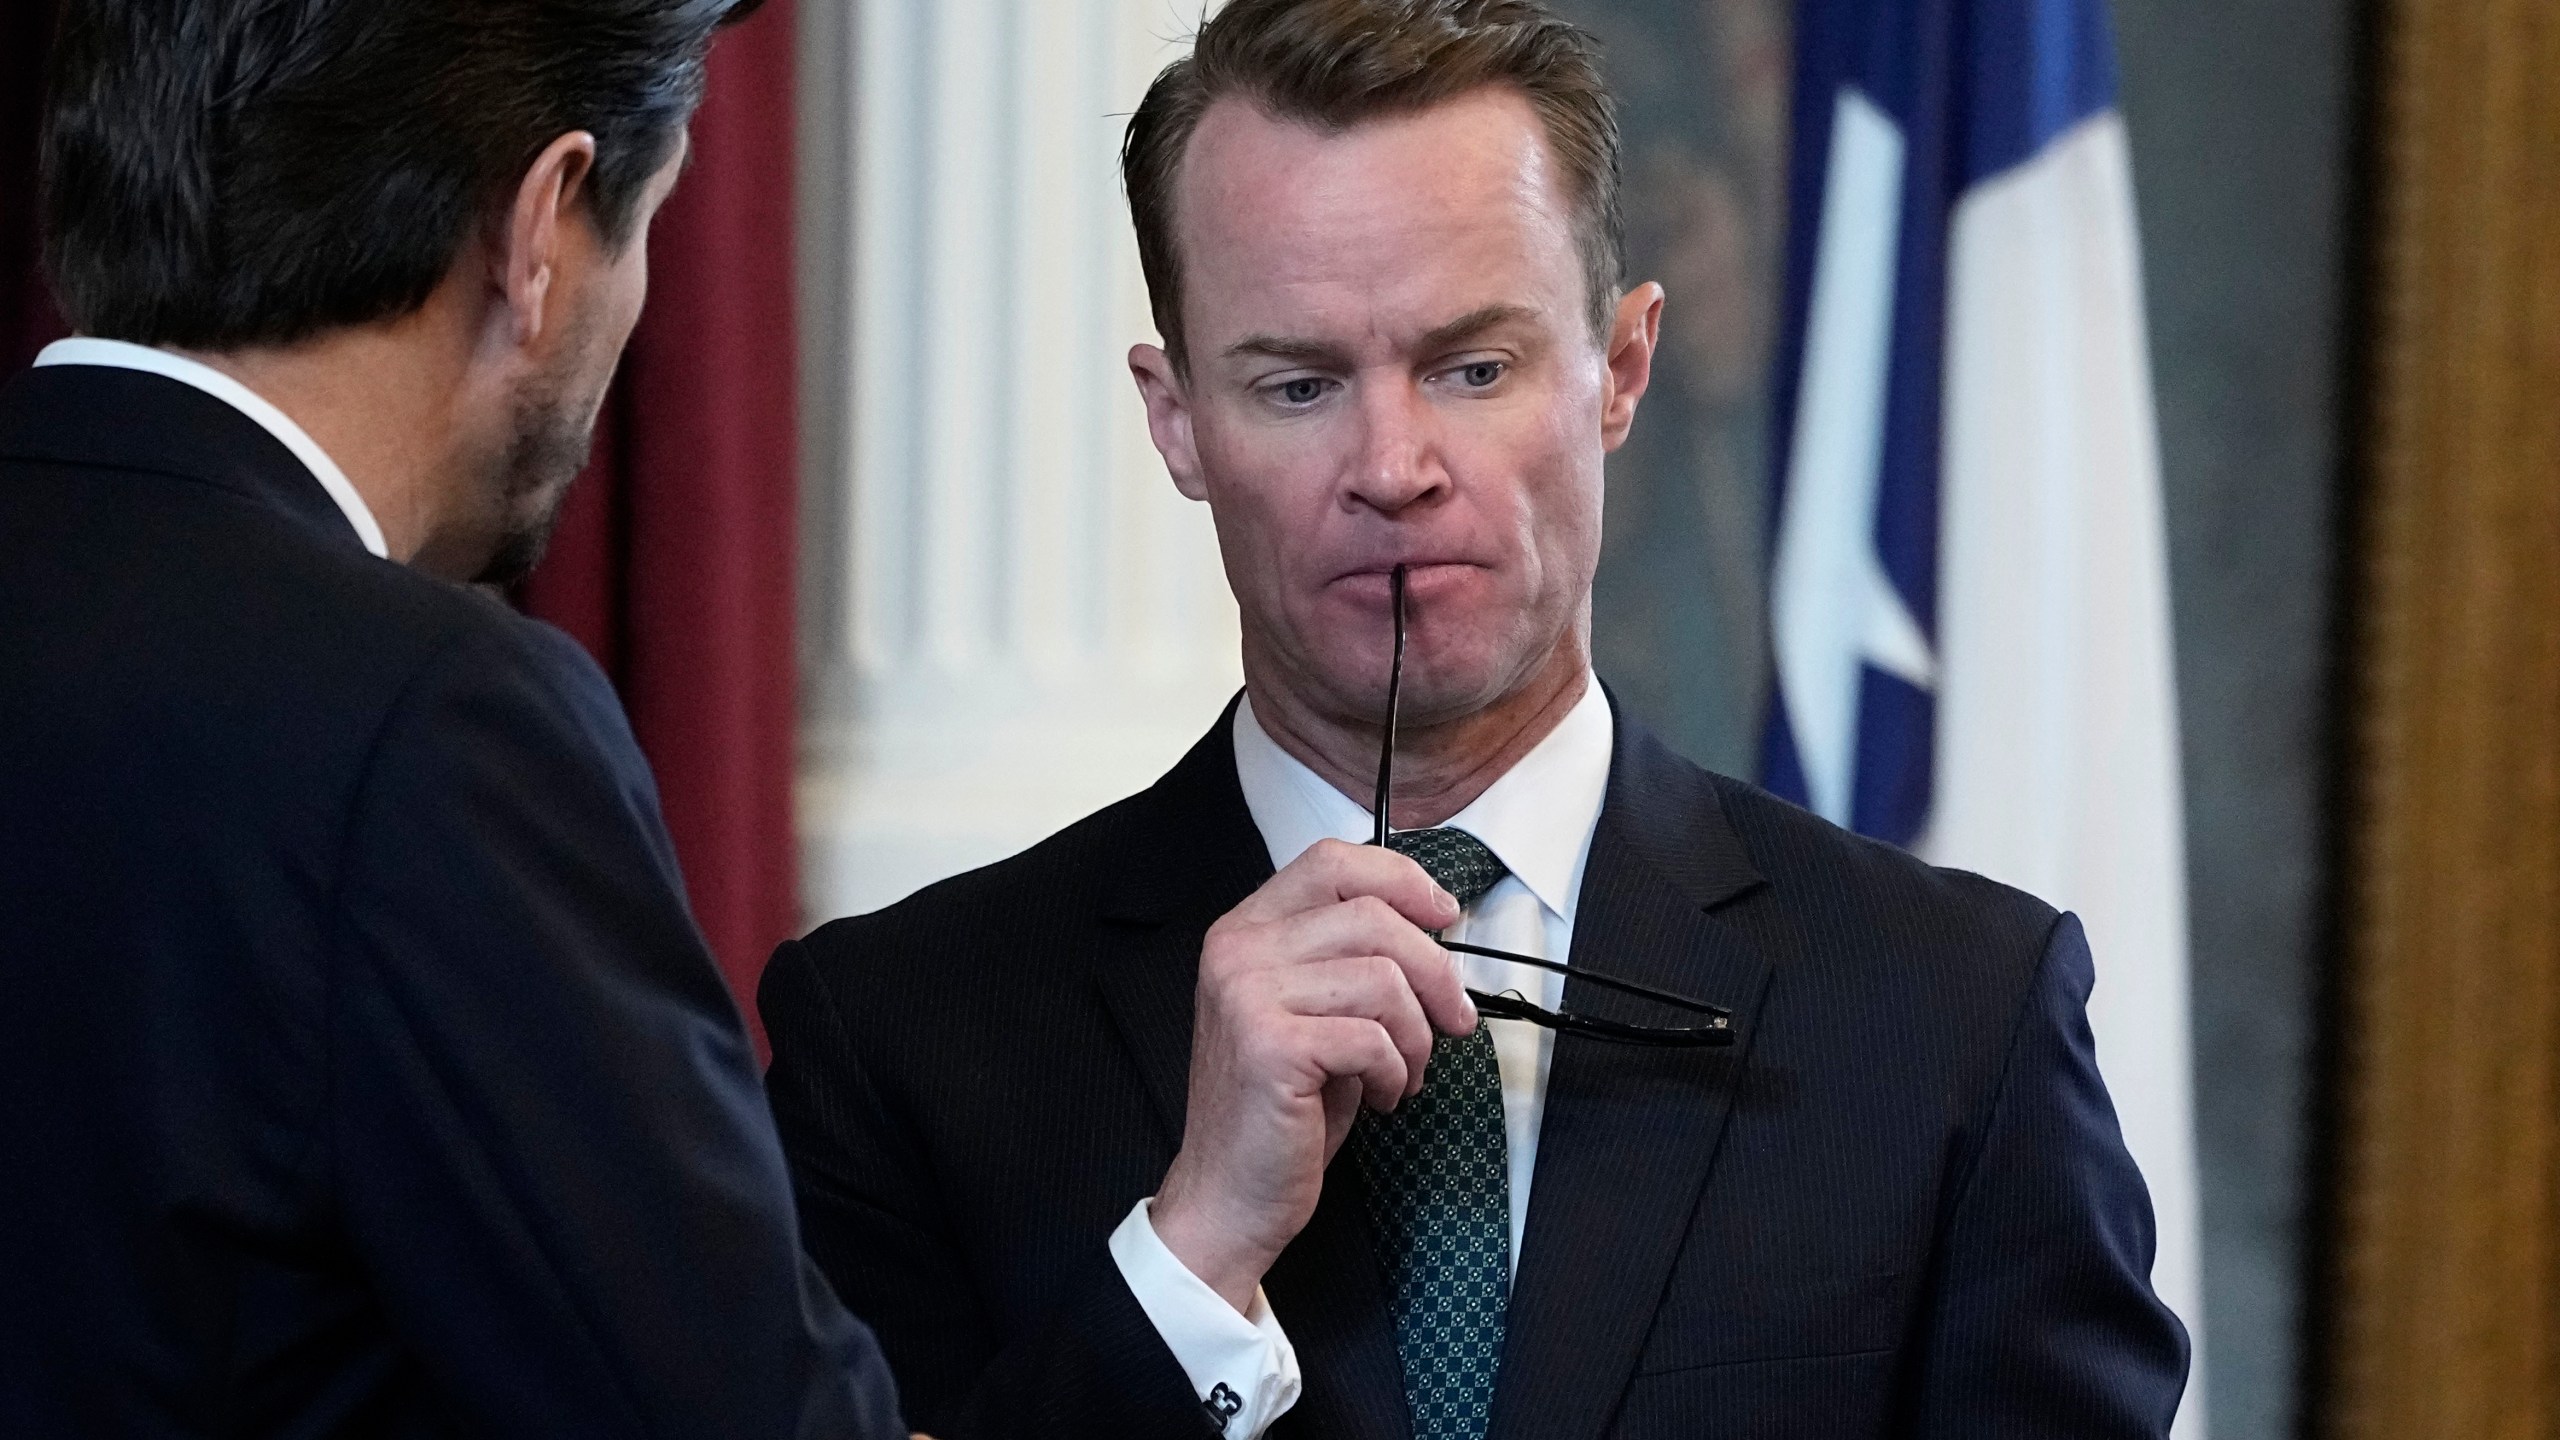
1332	871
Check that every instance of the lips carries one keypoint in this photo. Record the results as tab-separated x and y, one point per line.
1415	571
1428	584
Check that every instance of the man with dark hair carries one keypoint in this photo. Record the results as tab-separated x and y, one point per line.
363	1072
1185	1119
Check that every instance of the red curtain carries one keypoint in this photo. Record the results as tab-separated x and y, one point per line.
675	559
674	563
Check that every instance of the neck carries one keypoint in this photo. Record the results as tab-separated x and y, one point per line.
381	399
1441	767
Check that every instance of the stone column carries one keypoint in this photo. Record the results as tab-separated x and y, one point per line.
1013	619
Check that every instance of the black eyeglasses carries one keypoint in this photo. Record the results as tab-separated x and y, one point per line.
1511	1005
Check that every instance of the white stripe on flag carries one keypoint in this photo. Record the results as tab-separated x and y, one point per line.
2057	742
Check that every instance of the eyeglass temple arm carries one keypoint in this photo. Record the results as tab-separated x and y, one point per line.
1715	1033
1386	787
1626	987
1395	684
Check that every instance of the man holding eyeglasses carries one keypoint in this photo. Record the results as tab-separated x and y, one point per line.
1185	1121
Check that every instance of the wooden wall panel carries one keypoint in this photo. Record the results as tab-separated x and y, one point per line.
2449	1254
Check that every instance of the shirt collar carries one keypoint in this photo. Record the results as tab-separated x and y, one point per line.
1537	818
122	355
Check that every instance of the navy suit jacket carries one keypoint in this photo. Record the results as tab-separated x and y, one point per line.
1899	1206
361	1069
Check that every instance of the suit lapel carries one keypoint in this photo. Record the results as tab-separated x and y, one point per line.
1146	980
1191	854
1628	1134
1188	853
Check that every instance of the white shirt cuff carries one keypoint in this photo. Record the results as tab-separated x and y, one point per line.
1242	1367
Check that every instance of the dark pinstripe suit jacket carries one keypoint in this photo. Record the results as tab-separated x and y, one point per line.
1899	1206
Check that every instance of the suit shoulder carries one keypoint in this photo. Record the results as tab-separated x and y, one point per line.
438	648
293	647
986	951
215	573
432	670
1940	966
1012	897
470	640
1813	865
424	616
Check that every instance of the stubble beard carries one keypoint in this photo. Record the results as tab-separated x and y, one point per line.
548	445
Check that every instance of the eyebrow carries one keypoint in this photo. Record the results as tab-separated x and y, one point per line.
1278	347
1473	324
1316	352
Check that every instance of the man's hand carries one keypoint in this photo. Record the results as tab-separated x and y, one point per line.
1319	994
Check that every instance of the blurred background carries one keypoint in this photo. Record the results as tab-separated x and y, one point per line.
893	583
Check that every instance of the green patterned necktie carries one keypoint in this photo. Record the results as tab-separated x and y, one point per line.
1439	1177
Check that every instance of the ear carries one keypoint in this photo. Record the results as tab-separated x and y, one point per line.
1632	337
1169	417
538	230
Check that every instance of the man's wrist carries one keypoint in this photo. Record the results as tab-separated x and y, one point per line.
1240	1363
1208	1247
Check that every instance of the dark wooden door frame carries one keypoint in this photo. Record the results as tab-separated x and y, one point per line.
2447	1237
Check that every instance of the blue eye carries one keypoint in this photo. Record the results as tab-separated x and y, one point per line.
1301	391
1481	373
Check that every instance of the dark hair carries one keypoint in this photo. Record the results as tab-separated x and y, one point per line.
1335	63
223	173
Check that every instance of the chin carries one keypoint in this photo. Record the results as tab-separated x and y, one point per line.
521	546
1441	681
514	559
529	485
1452	694
1462	674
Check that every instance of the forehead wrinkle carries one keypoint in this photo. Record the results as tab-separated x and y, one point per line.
1286	217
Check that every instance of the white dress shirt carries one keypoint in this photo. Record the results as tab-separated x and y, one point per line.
1537	819
120	355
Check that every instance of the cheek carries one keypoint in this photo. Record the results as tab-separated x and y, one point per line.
610	310
1571	521
1267	485
1556	508
627	286
1554	493
1577	458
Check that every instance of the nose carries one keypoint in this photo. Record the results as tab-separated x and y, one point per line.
1398	462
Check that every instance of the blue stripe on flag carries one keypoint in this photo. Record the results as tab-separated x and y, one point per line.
2038	68
1975	87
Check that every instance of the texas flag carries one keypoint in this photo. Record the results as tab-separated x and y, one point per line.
1969	590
